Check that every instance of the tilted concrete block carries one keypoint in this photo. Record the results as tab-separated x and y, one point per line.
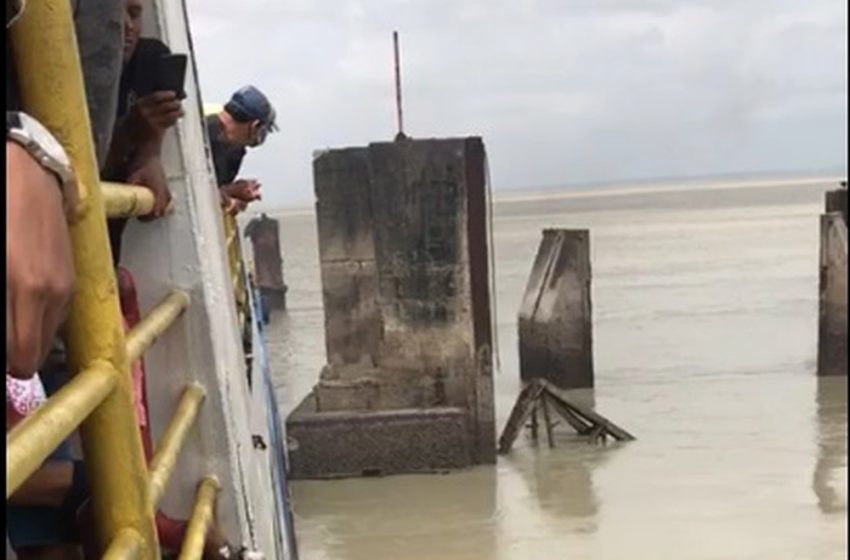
555	318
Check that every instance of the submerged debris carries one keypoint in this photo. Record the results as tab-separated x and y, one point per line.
539	394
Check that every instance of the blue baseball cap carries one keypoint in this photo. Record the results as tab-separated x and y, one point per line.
250	104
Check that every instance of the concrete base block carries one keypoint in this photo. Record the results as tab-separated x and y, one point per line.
349	444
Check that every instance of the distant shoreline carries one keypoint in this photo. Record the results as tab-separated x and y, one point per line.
626	189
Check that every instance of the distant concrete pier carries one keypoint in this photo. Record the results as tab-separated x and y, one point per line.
268	262
832	324
403	248
555	317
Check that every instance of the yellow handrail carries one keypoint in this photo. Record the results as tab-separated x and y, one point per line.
234	257
143	335
99	398
126	201
30	442
126	546
165	458
51	86
199	523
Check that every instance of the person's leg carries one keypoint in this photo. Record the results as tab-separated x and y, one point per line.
41	516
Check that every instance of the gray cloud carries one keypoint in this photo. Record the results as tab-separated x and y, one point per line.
563	91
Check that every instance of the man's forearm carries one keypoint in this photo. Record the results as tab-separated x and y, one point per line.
133	144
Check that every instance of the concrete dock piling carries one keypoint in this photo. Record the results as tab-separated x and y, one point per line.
268	262
832	324
555	317
404	262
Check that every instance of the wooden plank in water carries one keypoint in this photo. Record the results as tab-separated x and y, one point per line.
594	418
543	400
525	404
582	427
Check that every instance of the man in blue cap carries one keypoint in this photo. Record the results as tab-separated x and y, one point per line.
245	122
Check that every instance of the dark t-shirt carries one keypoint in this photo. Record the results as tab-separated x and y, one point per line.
227	157
136	79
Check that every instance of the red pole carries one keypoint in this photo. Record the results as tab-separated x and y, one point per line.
398	86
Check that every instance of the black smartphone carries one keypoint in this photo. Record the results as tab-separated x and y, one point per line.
171	74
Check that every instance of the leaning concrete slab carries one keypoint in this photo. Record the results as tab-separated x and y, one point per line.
555	321
404	265
832	324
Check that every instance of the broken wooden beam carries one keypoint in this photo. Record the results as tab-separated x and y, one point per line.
523	408
595	418
539	392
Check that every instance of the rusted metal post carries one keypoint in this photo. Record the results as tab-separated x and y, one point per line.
397	66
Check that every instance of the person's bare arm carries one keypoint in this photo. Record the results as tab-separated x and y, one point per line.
141	134
39	261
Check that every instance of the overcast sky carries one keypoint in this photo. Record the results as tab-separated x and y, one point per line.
562	91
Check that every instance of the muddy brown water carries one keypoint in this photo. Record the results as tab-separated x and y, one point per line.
705	327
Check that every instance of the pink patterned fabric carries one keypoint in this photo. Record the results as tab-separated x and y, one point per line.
24	395
137	374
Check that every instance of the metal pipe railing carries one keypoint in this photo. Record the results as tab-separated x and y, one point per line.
126	201
127	545
199	523
234	257
50	81
144	334
30	442
171	443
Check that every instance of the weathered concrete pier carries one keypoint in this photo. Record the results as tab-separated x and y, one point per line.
555	317
268	261
832	324
403	249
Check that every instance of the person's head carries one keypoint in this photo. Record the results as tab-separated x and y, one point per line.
132	27
250	117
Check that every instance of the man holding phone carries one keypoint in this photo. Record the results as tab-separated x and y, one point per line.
245	122
149	103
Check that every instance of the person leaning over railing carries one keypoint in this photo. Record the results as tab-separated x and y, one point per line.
141	121
245	122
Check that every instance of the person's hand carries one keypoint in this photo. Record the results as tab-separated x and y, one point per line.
159	111
39	262
151	174
230	205
246	190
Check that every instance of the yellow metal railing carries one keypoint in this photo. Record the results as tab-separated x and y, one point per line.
234	260
126	546
51	84
99	397
126	201
156	322
202	514
30	442
165	458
